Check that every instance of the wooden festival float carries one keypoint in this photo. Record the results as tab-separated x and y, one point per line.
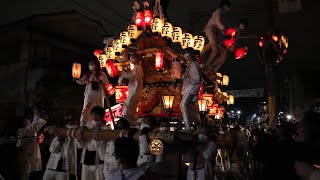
151	37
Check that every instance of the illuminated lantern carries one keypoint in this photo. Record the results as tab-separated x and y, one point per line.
230	32
167	103
225	94
228	42
218	77
231	99
157	25
209	98
156	147
117	46
202	105
167	30
221	112
187	40
177	35
176	70
111	68
121	93
102	60
159	60
225	80
125	39
148	16
261	42
139	21
133	32
110	53
40	137
240	52
275	38
198	43
76	70
110	89
214	110
97	52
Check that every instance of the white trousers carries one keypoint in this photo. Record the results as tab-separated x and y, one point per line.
54	175
95	99
92	172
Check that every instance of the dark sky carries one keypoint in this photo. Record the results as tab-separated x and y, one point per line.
244	73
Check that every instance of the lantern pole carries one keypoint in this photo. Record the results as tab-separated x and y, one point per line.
110	111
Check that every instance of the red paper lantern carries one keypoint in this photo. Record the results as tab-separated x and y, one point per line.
228	42
121	93
261	42
240	52
110	89
97	52
111	68
275	38
230	32
139	21
148	17
200	95
159	60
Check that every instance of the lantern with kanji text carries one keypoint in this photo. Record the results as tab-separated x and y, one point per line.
148	16
167	30
187	41
110	53
177	35
117	46
157	25
125	39
102	60
76	70
121	93
139	20
198	43
133	32
110	89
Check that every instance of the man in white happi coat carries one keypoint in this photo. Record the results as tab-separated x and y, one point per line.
135	88
96	81
191	84
93	151
27	143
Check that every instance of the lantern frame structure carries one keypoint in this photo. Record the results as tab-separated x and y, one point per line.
167	103
76	70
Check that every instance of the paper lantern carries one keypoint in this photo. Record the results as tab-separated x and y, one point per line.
156	147
110	89
139	21
231	99
261	42
167	30
121	93
187	41
159	60
275	38
214	110
110	53
240	52
230	32
176	70
167	103
148	16
225	80
202	105
228	42
97	52
225	94
102	60
40	136
218	77
157	25
76	70
221	112
209	98
125	39
177	35
133	32
198	43
111	68
117	46
200	95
